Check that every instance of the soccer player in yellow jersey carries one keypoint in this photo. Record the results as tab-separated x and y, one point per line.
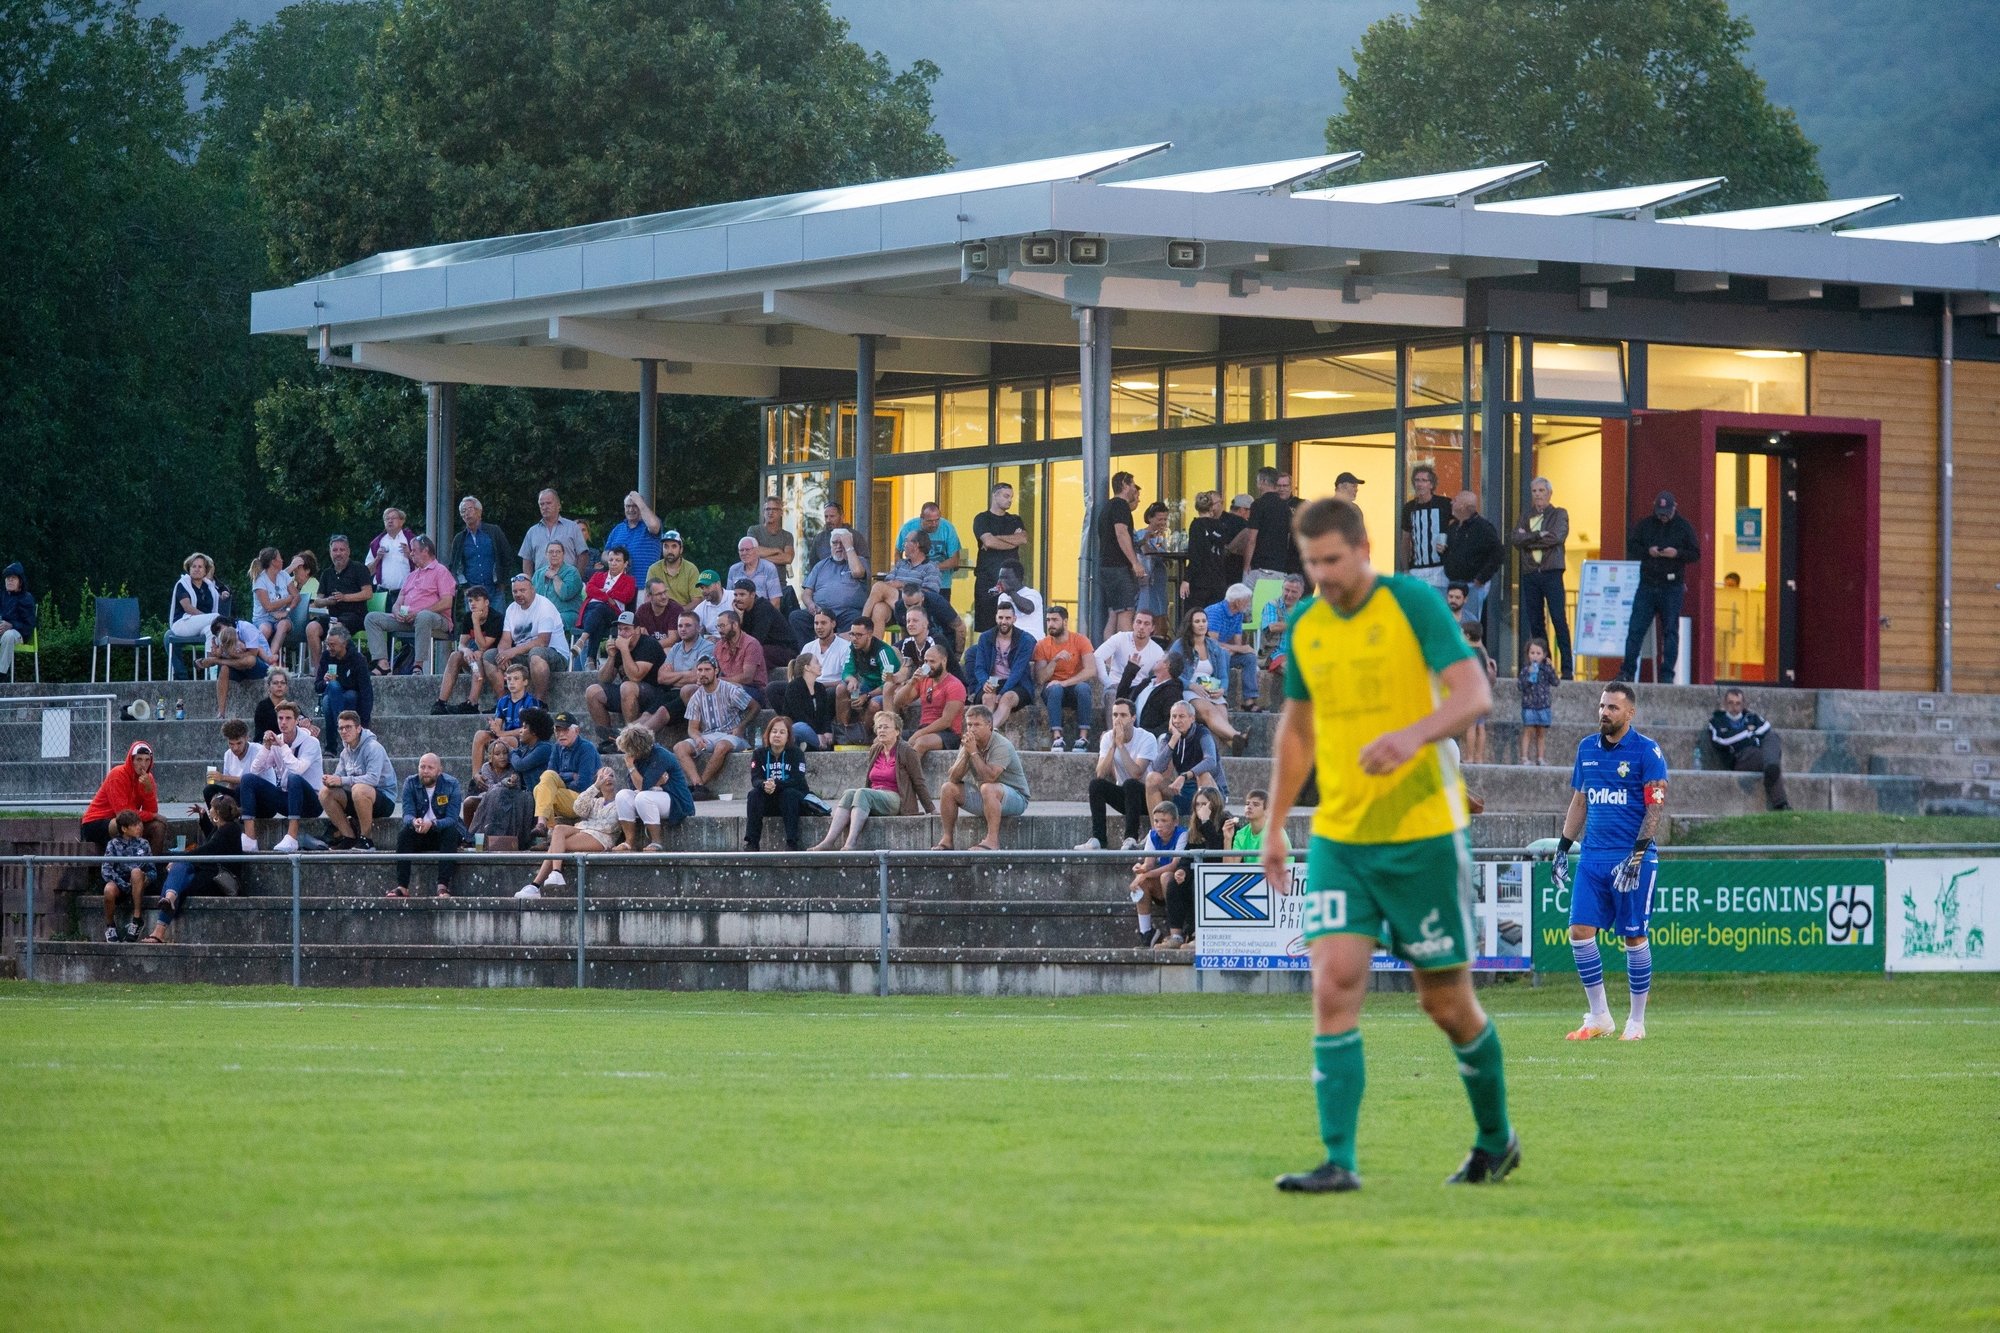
1377	677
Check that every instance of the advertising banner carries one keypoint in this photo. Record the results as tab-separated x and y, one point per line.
1604	593
1941	916
1241	927
1739	916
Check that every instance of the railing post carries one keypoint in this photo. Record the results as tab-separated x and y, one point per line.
582	870
294	858
28	936
882	886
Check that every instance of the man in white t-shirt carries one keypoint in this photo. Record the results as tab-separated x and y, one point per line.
1125	661
827	646
1125	754
531	631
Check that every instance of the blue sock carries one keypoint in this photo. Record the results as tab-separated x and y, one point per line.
1639	970
1590	971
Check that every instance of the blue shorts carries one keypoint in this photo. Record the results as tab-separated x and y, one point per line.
1593	902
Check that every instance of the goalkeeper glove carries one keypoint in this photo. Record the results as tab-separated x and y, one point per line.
1560	870
1626	877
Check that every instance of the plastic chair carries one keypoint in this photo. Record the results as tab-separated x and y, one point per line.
33	645
117	626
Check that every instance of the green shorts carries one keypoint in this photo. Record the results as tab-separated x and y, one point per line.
1416	897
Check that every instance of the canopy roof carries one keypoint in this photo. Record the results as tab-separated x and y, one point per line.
726	295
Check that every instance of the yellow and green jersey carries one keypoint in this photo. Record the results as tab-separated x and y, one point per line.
1365	675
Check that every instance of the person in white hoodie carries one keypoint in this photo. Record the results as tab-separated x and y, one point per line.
358	791
287	779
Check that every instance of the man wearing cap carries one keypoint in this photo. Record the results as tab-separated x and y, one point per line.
568	775
672	570
1664	544
1540	537
639	534
761	623
837	585
773	542
760	573
1347	487
708	603
630	675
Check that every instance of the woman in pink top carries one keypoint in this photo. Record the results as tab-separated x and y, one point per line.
609	591
895	787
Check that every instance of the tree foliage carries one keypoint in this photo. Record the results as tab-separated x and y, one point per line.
470	118
1607	94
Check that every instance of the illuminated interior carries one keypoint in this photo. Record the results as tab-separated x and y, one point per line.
1746	545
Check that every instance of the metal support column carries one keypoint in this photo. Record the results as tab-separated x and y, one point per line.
28	935
295	919
1094	365
882	887
649	431
1945	482
864	443
1504	503
435	499
582	885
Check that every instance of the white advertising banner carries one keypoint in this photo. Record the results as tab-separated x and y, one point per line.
1241	927
1941	916
1605	589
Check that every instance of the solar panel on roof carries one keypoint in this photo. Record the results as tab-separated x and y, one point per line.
1434	189
1257	176
1074	166
1625	201
1788	217
1944	231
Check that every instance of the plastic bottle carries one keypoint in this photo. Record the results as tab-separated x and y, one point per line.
180	713
160	708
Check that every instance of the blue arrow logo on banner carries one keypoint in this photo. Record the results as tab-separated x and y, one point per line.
1241	897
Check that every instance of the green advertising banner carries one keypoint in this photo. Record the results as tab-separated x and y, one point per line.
1739	916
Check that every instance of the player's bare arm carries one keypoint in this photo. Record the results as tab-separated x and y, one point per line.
1470	699
1292	760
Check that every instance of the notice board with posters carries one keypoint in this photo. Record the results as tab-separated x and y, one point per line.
1942	914
1240	926
1604	606
1739	916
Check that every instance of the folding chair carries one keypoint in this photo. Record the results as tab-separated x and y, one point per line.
33	645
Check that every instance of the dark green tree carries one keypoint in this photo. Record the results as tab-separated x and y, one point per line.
124	407
1608	92
476	118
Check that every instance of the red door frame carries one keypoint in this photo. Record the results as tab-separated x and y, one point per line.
1839	523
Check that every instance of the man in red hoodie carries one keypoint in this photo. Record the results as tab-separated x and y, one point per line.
129	786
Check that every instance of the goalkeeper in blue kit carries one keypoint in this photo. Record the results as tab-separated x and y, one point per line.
1616	806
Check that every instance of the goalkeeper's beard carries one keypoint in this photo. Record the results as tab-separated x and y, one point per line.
1610	731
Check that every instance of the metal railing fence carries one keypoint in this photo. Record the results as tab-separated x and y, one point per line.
882	861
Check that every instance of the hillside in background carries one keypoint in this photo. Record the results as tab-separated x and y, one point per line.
1893	103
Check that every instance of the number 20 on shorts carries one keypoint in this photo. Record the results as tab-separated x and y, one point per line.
1325	910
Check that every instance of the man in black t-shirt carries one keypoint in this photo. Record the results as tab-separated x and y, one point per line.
1266	544
1420	533
1120	571
344	590
630	674
999	535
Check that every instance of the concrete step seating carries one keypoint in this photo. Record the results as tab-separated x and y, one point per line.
977	925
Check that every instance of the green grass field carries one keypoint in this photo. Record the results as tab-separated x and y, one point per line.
1808	1152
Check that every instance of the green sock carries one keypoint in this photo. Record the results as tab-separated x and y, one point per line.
1486	1087
1339	1075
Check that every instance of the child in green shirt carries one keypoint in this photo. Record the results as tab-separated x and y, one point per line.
1247	833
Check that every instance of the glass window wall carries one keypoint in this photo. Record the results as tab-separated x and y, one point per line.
962	495
1135	401
1442	448
1063	482
1356	382
906	425
1573	453
1316	463
1250	390
1191	397
964	417
1018	416
1725	379
1065	410
1239	468
1436	378
1579	372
